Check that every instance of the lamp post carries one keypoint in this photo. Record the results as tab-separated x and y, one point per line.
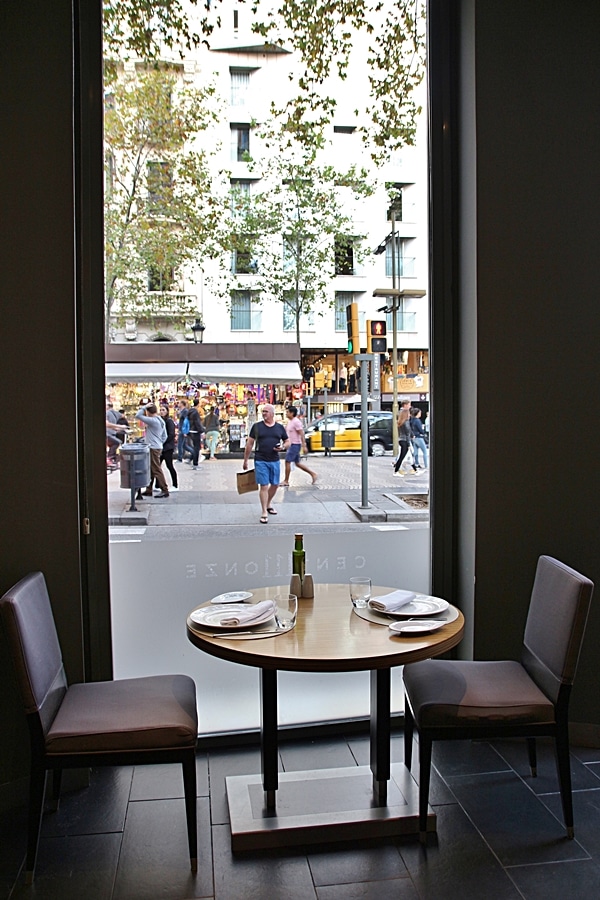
198	329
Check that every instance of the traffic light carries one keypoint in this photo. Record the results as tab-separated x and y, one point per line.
376	336
353	335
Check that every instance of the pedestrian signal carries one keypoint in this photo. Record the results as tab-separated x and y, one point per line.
376	336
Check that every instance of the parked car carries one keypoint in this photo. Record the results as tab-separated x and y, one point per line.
347	431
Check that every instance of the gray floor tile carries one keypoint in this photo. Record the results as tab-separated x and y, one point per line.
154	856
399	889
356	862
555	881
586	818
69	868
276	875
166	781
457	864
512	820
100	807
466	758
221	763
546	782
298	756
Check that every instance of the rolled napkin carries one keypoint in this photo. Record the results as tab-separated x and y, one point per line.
391	602
253	614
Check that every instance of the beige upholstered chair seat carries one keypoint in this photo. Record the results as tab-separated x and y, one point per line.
450	694
133	714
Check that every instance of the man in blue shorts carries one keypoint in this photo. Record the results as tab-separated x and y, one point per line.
270	437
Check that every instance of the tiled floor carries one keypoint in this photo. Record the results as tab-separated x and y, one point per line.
500	834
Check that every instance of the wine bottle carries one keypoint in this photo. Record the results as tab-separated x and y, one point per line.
298	556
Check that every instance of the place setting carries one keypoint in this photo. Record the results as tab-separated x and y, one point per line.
230	616
411	613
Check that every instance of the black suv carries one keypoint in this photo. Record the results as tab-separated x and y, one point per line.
346	427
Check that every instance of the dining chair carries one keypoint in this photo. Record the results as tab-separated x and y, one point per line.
458	700
134	721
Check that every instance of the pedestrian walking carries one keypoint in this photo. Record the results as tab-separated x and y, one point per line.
156	434
295	433
270	437
211	424
404	437
168	449
196	432
418	439
184	444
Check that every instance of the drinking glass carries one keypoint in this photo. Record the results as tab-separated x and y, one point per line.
287	609
360	592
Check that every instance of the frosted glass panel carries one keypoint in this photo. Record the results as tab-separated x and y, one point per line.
155	584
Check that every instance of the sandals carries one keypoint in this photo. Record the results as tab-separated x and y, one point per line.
264	520
271	511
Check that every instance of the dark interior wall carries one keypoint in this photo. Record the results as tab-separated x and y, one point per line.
39	519
535	421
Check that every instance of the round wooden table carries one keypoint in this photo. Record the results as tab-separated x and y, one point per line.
329	637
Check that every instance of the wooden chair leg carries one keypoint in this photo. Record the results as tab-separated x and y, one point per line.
189	787
532	753
409	727
563	768
425	749
37	789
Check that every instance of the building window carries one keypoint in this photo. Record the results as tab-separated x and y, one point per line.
342	300
240	86
159	183
405	265
344	129
246	315
160	278
243	263
240	142
344	256
307	319
240	196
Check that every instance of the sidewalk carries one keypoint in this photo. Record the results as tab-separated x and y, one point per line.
208	496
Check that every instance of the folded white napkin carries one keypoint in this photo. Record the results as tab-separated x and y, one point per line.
392	602
255	613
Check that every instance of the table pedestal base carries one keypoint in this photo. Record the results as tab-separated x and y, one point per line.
320	806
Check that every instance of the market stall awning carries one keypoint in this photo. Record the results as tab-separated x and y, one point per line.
219	372
145	372
247	372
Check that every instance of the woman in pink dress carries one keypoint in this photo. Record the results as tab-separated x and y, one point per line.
295	433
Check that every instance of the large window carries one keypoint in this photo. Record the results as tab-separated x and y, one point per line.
405	264
160	279
307	319
240	142
243	262
159	182
342	300
240	86
344	256
246	314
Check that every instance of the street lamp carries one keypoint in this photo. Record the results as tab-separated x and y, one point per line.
198	329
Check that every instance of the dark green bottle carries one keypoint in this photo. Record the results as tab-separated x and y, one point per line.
298	556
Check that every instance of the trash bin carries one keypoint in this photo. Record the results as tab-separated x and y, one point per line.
135	465
328	440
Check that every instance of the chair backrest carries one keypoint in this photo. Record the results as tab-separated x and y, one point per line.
34	648
558	611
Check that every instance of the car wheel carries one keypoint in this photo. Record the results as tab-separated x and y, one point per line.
377	448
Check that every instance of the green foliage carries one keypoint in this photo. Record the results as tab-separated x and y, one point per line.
161	206
325	34
293	224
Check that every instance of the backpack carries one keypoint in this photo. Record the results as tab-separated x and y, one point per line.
185	425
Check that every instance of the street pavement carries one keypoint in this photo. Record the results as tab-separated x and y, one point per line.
207	497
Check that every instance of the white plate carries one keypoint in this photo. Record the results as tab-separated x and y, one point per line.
232	597
409	628
210	616
420	606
